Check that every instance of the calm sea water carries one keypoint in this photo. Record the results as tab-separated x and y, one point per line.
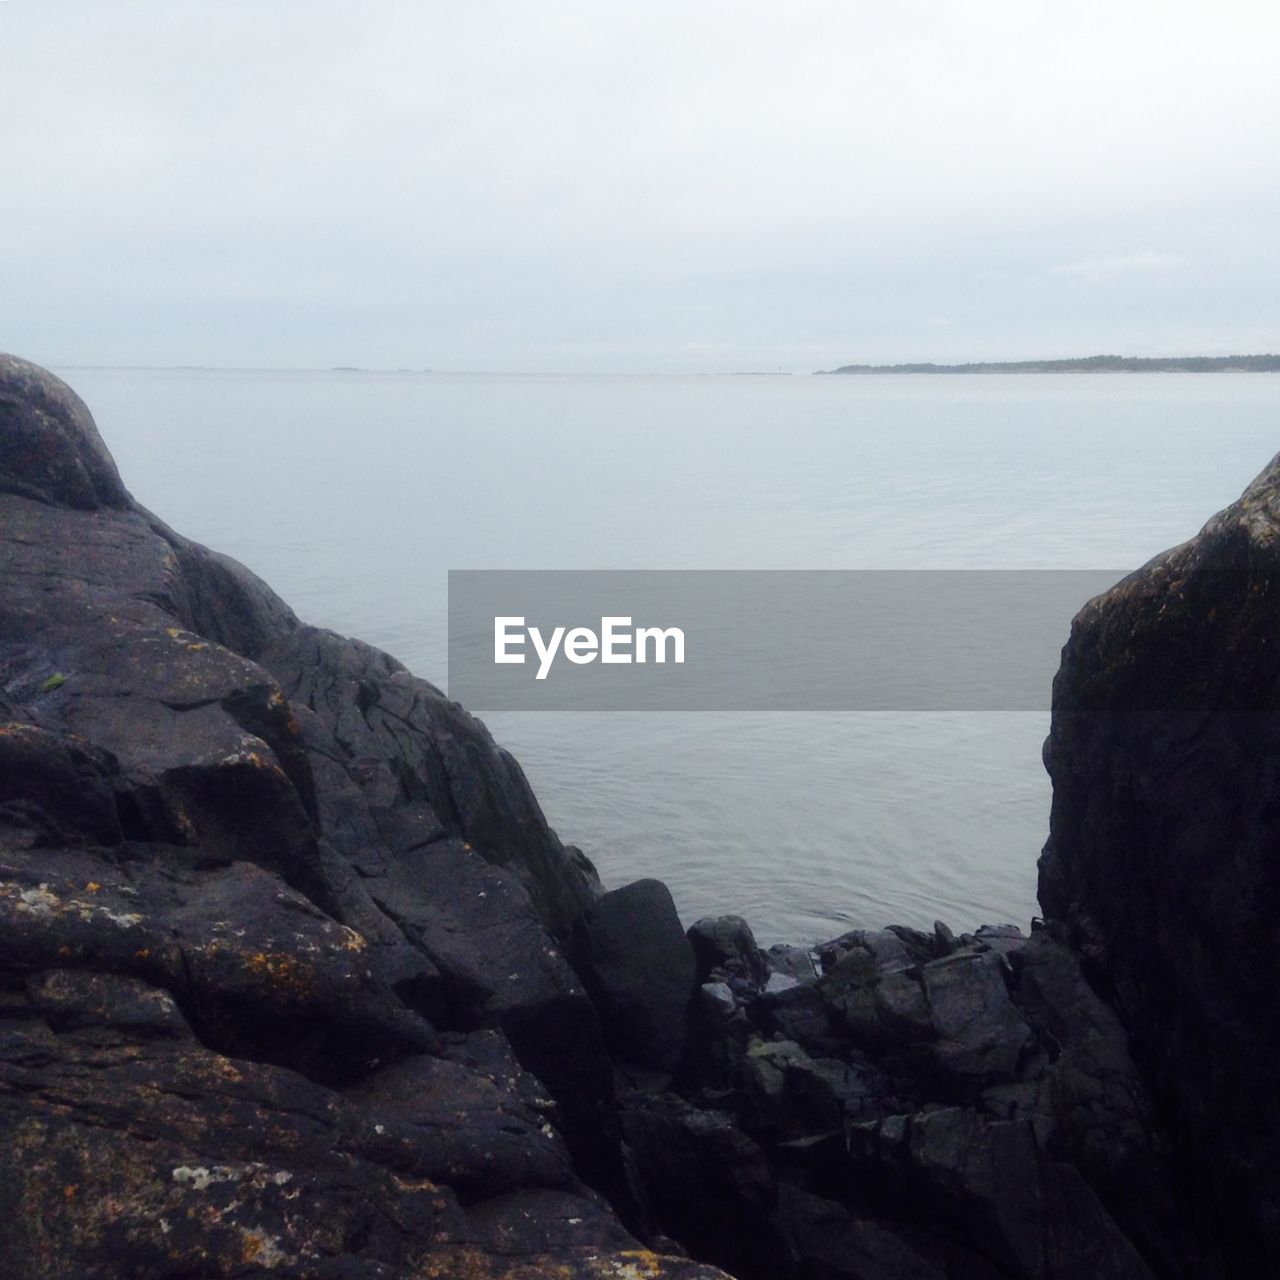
353	494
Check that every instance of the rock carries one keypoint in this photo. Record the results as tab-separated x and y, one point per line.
1006	939
849	991
902	1008
153	1157
52	450
883	1010
793	1095
920	947
791	962
945	940
1160	867
485	1133
417	758
981	1036
726	943
295	979
1006	1199
54	791
241	854
719	1034
718	998
885	946
801	1014
645	970
257	969
709	1185
837	1246
1103	1114
113	1006
158	1157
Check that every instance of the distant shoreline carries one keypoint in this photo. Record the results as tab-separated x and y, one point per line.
1086	364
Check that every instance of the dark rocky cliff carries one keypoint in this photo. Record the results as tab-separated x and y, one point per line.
1163	864
295	979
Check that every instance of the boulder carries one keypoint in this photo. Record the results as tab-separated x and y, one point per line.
981	1037
645	972
725	944
792	1095
52	450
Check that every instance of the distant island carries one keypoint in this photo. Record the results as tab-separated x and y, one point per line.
1086	364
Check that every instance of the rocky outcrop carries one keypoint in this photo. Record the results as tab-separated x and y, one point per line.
287	978
1162	867
930	1105
295	979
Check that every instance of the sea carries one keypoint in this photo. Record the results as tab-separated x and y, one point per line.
354	493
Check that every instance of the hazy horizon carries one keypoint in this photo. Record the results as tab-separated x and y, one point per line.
570	188
886	365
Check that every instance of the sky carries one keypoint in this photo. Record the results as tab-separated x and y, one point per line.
600	186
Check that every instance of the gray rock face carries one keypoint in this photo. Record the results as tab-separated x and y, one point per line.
52	450
789	961
1161	864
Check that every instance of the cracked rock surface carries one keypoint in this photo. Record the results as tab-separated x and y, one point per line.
284	986
1162	867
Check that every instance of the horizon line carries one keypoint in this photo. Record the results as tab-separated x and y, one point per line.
878	366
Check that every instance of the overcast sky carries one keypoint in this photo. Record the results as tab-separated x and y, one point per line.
593	185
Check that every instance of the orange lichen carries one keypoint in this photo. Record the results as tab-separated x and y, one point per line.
414	1184
468	1263
281	970
457	1264
262	962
